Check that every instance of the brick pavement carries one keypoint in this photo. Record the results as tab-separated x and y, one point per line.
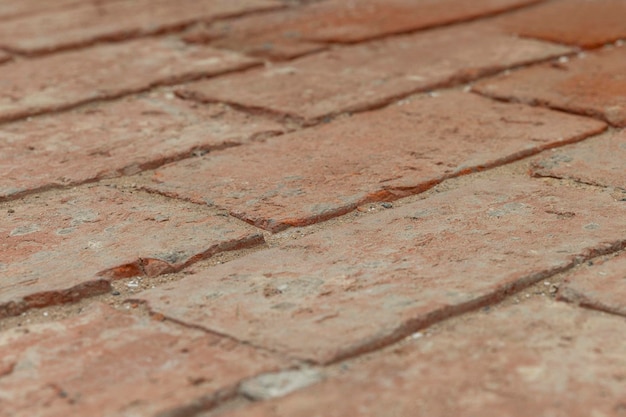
312	208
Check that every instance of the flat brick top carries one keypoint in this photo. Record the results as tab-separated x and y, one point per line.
306	208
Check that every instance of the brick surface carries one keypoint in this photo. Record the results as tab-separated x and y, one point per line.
93	21
362	76
601	286
292	32
599	161
594	85
112	139
326	171
348	289
539	359
105	234
107	363
10	9
585	23
4	57
66	79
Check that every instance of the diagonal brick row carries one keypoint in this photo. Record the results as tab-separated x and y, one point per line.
67	79
536	359
365	76
291	32
326	171
88	22
107	363
353	288
107	140
594	85
62	247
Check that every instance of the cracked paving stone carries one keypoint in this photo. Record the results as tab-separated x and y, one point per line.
539	358
360	77
89	22
599	161
326	171
601	286
108	363
593	84
291	32
66	79
71	244
353	288
112	139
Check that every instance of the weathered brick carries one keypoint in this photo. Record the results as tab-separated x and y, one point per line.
585	23
4	57
292	32
593	85
598	161
326	171
66	79
363	76
111	139
107	363
64	246
11	9
113	20
601	286
354	287
535	359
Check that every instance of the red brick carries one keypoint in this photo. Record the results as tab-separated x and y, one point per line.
112	139
4	57
360	77
107	363
594	85
354	287
584	23
601	286
113	20
292	32
107	71
105	234
326	171
597	161
11	9
535	359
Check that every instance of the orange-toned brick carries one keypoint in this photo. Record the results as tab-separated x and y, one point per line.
12	9
326	171
593	84
351	288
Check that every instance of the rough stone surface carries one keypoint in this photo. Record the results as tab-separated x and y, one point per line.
593	85
112	139
291	32
65	246
585	23
599	161
360	77
114	20
279	384
602	286
535	359
10	9
323	172
349	289
107	363
66	79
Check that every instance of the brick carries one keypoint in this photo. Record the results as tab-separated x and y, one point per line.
106	234
64	80
351	288
364	76
107	363
597	161
296	31
4	57
111	139
600	286
584	23
326	171
539	358
593	85
114	20
11	9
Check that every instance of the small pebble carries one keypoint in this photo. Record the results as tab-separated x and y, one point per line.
115	293
387	205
